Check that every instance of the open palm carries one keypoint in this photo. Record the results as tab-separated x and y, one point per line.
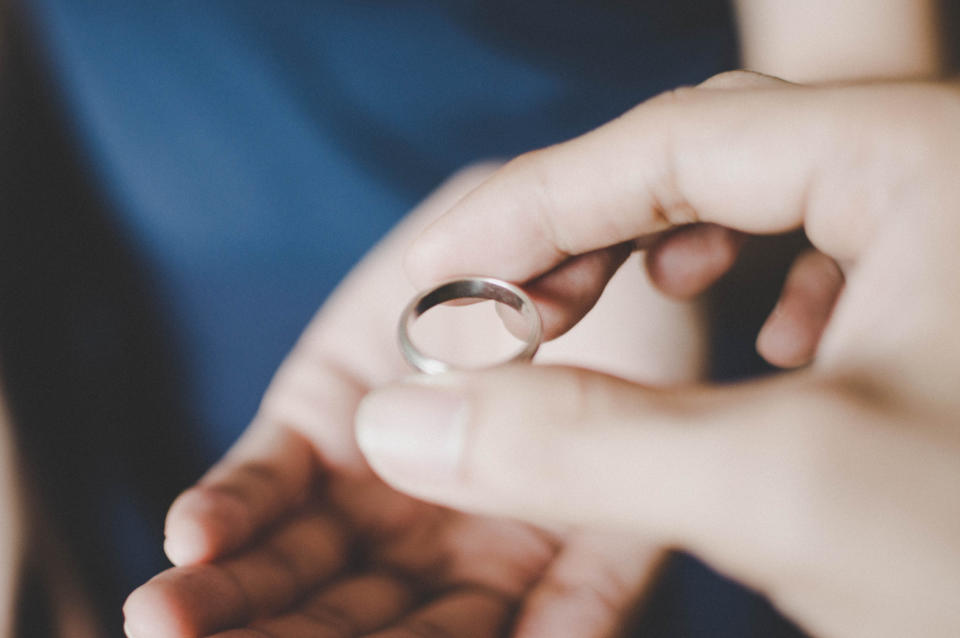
292	535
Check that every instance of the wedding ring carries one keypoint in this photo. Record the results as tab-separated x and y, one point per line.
468	288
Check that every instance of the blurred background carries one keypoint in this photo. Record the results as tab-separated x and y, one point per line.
184	183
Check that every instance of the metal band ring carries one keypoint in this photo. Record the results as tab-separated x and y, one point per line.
468	288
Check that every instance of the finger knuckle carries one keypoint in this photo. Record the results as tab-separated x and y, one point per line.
676	96
736	78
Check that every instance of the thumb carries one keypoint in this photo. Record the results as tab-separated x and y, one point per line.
722	473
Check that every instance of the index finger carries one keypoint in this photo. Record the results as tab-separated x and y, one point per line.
755	160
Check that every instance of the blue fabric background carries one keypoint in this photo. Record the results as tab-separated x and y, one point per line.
253	151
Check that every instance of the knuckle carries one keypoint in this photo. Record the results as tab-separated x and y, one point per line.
676	96
736	79
525	164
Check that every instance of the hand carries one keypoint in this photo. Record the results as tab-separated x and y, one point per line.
835	490
291	534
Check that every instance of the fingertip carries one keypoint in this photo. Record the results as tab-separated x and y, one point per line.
791	334
149	612
557	316
186	542
687	261
568	292
783	342
515	323
414	431
186	602
203	524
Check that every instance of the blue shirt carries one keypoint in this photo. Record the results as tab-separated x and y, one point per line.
255	150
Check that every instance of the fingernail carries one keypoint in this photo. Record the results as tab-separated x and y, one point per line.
413	431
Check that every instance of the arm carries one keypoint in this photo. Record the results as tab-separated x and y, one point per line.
821	40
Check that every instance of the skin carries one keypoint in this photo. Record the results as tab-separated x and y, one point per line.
304	457
832	489
298	458
822	40
293	515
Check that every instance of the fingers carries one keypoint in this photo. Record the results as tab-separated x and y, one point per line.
589	587
636	333
564	295
196	600
757	160
351	608
464	614
791	333
268	471
721	473
682	264
381	604
687	261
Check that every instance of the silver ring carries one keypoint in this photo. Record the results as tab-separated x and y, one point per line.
468	288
